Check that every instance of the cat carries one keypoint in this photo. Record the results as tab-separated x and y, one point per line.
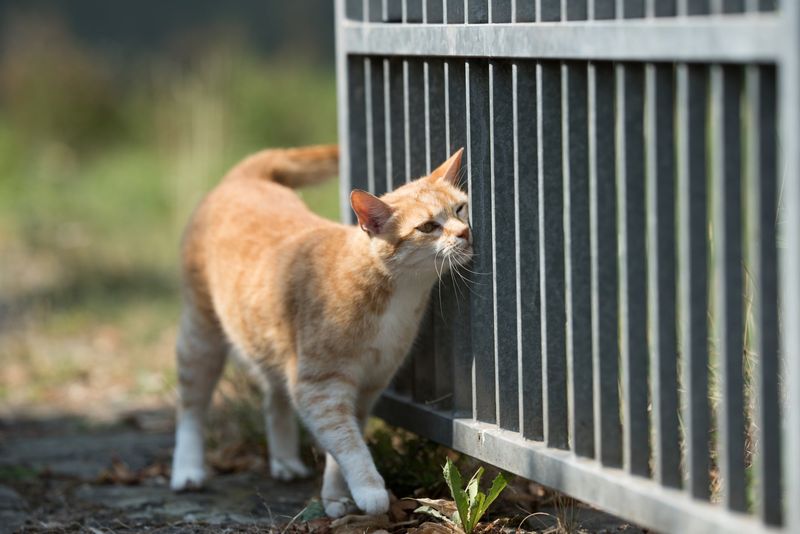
321	313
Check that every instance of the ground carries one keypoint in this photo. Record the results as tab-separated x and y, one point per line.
72	474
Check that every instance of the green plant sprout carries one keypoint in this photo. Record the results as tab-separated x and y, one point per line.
470	502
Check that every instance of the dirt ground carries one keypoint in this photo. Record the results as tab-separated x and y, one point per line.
68	474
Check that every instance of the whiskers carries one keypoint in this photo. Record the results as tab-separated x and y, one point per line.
439	279
454	260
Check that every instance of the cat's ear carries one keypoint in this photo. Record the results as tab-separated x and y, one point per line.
371	211
448	170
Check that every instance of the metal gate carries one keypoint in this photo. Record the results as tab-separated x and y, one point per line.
631	333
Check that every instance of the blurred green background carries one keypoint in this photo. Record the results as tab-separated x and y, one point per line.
115	119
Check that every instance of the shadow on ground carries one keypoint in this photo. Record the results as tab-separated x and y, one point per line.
65	474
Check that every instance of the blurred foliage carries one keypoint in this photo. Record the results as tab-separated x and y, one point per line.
101	163
410	464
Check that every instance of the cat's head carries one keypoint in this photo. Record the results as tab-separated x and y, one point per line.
422	225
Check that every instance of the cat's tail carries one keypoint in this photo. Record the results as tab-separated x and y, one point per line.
292	167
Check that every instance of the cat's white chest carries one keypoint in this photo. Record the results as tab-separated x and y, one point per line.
397	326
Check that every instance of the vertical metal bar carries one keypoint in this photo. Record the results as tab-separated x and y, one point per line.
415	109
437	151
693	285
526	216
504	245
761	187
481	305
357	124
417	148
443	298
551	250
368	122
342	103
632	253
388	139
603	213
374	97
632	267
789	110
504	274
577	258
661	284
377	126
427	119
397	135
728	282
456	134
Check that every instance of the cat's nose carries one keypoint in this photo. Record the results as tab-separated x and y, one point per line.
464	234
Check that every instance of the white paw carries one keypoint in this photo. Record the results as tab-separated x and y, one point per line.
187	478
372	500
288	469
339	507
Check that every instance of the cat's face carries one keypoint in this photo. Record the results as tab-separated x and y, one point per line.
422	226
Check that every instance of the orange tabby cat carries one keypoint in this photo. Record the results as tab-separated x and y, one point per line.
321	313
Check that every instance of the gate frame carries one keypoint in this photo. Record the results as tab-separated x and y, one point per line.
751	38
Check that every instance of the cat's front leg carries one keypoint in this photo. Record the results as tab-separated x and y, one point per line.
327	403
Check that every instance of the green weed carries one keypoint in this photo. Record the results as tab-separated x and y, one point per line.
471	503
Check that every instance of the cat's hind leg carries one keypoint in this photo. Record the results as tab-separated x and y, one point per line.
283	433
201	350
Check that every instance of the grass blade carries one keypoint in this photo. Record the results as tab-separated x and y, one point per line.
498	485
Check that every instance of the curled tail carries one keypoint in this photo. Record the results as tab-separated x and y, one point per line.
292	167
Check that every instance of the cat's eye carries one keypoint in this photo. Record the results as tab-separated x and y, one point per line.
428	227
461	210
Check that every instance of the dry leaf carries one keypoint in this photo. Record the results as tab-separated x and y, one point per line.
357	524
235	458
445	507
321	525
400	510
120	473
433	528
